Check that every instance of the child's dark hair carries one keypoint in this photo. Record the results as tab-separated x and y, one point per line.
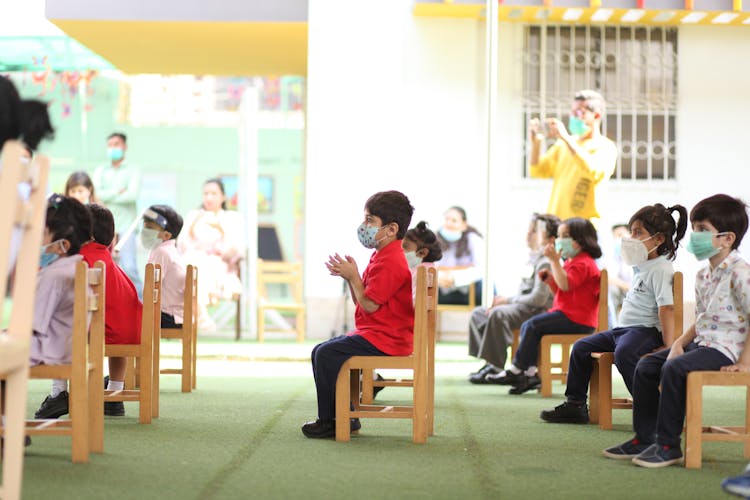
165	217
424	237
725	213
551	223
68	218
80	178
462	245
220	183
391	207
658	219
10	111
584	233
102	224
35	123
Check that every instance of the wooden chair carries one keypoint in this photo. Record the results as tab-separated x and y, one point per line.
441	308
188	334
421	362
84	373
146	353
28	217
695	432
566	341
601	402
283	273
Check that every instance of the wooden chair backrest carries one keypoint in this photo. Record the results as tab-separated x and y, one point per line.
425	309
603	315
27	215
190	298
679	311
284	273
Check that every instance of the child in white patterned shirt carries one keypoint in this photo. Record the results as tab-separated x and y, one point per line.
716	341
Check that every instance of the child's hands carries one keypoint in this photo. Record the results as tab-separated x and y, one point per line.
346	266
551	253
675	351
737	367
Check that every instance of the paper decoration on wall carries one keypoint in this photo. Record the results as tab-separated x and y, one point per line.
47	81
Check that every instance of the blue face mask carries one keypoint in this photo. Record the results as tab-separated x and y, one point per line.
576	126
366	235
412	259
565	247
45	259
449	235
701	244
115	154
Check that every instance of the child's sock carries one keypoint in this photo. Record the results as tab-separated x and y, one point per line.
530	371
514	370
114	385
58	386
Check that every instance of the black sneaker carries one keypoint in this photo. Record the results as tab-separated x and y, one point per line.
480	377
114	408
505	377
53	407
484	367
627	450
659	455
376	389
527	383
567	413
323	429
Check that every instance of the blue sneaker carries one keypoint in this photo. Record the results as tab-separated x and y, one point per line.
627	450
659	455
738	485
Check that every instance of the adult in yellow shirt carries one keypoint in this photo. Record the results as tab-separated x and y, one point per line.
580	161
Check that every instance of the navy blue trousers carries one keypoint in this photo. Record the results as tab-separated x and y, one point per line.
659	416
628	344
327	359
532	331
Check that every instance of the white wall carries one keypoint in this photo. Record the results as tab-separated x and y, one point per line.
396	102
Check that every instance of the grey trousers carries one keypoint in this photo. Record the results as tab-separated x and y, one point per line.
490	336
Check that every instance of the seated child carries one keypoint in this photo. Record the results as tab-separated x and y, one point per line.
67	227
646	319
123	309
491	329
421	246
716	341
576	304
384	312
161	226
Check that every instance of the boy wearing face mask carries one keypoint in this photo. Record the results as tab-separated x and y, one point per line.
716	341
646	320
123	309
67	227
384	313
161	226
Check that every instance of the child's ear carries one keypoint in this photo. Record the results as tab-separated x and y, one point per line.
66	246
422	252
167	234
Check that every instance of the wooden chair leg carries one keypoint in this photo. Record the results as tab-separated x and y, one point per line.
187	362
565	363
545	368
594	391
195	358
79	415
368	389
14	397
96	412
238	321
130	374
343	392
694	421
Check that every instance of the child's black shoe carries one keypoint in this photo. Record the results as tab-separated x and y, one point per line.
567	413
626	450
658	455
53	407
114	408
525	384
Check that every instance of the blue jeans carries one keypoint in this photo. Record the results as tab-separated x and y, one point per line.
658	416
532	331
129	263
628	344
327	359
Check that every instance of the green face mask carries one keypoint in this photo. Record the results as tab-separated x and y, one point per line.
576	126
701	244
565	247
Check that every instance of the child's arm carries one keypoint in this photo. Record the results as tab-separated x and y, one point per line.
678	346
346	267
666	318
558	273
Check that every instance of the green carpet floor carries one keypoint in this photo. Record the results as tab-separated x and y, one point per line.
238	436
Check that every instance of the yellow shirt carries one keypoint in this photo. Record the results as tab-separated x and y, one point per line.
577	184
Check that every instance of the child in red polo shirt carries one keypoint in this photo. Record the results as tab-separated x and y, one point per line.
122	312
384	313
575	307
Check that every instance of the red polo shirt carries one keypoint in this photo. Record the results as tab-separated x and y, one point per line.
122	312
387	282
581	302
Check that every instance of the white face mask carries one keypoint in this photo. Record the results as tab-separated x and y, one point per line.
634	252
149	238
412	259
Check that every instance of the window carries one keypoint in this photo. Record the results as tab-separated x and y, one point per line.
635	69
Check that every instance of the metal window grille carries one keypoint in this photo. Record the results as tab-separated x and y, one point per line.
634	68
